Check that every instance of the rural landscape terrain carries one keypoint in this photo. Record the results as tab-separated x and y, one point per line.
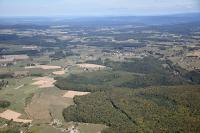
100	74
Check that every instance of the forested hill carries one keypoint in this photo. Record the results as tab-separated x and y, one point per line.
156	109
123	97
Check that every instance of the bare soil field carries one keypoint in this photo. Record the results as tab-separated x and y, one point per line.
48	105
45	67
196	53
12	115
44	82
10	58
72	94
65	38
59	72
90	66
30	47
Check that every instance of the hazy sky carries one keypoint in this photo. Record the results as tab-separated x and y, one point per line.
96	7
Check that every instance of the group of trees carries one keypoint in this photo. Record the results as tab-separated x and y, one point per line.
60	54
3	83
4	104
13	127
6	75
192	76
27	52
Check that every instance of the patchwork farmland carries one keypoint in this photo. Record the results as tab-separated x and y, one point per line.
108	75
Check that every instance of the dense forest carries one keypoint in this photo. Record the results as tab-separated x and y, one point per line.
123	100
155	109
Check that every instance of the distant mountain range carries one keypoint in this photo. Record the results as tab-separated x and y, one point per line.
108	20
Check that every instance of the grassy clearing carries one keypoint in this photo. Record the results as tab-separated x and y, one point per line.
90	128
43	128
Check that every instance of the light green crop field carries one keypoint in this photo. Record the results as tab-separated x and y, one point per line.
44	129
17	92
90	128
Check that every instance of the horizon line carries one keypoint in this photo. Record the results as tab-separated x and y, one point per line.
108	15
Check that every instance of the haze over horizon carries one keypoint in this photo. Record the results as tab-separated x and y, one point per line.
96	7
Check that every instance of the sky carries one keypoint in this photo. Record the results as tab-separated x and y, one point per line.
96	7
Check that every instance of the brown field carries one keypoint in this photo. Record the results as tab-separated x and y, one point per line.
30	47
9	58
44	82
48	105
45	67
59	73
72	94
90	66
196	53
12	115
65	38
